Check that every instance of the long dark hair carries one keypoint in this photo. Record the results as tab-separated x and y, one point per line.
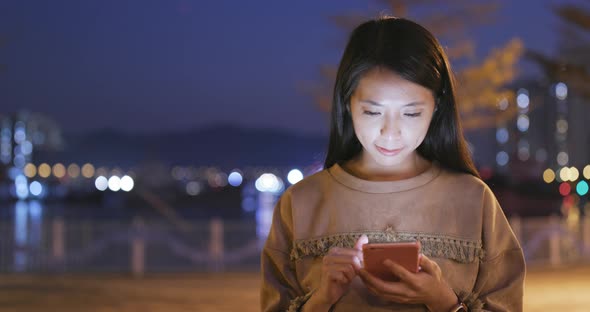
412	52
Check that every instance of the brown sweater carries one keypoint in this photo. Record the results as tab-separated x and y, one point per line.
455	216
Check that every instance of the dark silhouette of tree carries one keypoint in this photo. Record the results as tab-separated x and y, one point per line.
481	85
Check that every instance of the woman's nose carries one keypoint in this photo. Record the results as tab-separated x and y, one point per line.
391	129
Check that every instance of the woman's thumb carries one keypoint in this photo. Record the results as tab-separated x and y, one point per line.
360	242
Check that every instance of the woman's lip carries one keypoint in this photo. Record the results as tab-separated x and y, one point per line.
387	152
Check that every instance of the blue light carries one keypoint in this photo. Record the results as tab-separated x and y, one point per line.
582	188
101	183
502	135
502	158
36	188
22	187
294	176
269	182
235	179
26	148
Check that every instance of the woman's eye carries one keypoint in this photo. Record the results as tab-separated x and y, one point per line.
371	113
413	114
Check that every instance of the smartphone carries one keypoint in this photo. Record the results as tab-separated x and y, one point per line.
404	253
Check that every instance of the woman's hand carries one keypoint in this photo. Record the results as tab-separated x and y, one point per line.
339	267
425	287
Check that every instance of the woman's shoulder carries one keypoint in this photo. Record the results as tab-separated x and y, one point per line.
463	182
311	184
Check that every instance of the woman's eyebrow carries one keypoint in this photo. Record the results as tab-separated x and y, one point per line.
416	103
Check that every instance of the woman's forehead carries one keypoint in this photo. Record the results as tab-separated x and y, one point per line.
381	87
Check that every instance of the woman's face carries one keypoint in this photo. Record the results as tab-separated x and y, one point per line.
391	117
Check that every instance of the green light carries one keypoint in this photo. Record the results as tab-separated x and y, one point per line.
582	188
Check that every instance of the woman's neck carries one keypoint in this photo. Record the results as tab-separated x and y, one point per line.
361	169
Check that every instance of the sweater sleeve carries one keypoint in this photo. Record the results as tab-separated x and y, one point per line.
280	289
500	281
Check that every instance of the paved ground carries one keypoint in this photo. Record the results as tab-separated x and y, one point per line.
546	290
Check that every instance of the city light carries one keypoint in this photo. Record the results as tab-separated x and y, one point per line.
294	176
502	158
235	179
19	161
524	153
562	158
88	171
503	104
522	123
502	135
36	188
22	188
19	135
127	183
101	183
26	147
561	91
30	170
44	170
193	188
564	174
574	174
561	125
59	170
73	170
564	189
268	182
217	179
586	172
522	99
582	188
114	183
548	175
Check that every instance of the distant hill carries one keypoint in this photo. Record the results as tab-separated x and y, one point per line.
223	146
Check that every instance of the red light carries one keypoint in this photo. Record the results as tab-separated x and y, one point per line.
486	173
564	189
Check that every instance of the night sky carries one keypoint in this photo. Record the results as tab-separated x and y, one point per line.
150	66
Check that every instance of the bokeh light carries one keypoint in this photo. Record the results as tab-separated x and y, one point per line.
127	183
582	188
114	183
561	91
235	178
88	171
502	158
193	188
294	176
44	170
59	170
22	188
30	170
548	175
503	104
564	174
73	170
522	99
101	183
268	182
564	189
522	123
502	135
35	188
574	174
562	158
561	125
